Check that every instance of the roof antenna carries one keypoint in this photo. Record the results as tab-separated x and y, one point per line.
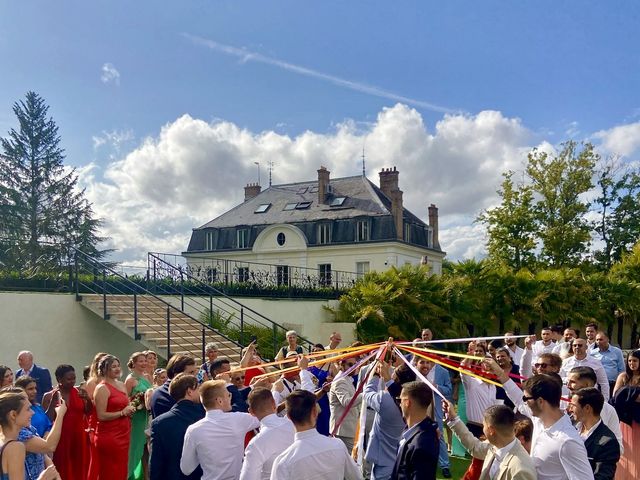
363	164
271	164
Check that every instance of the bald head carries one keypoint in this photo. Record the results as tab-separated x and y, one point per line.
25	360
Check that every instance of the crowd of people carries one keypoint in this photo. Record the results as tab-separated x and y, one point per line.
559	407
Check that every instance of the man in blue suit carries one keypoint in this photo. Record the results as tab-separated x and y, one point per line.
388	423
39	374
168	430
438	376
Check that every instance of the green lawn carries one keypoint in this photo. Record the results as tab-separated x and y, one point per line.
459	465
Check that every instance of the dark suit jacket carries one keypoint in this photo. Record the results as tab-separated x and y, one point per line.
167	438
603	451
239	398
161	402
42	377
418	457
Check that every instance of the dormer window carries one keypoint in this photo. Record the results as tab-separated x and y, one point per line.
303	205
290	206
337	201
362	231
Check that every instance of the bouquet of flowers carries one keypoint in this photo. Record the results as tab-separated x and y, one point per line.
137	401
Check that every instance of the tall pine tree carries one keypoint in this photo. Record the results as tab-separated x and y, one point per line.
43	210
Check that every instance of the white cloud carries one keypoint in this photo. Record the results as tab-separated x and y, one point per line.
620	140
110	74
193	171
115	139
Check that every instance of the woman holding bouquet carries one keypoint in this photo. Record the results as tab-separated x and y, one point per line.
71	456
137	384
114	426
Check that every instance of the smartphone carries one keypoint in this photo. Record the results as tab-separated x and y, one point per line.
254	338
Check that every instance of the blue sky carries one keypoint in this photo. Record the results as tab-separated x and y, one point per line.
154	99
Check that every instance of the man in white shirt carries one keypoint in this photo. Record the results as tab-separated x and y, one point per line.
276	435
514	350
580	358
216	442
585	377
295	380
590	331
545	345
557	450
334	341
564	349
312	455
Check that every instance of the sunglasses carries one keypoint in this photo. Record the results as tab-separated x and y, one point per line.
540	365
525	399
235	379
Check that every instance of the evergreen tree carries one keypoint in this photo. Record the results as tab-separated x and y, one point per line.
43	210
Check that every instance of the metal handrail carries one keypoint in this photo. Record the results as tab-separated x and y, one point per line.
135	289
212	291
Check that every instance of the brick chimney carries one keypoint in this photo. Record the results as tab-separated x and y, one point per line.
388	180
323	184
251	190
433	223
389	186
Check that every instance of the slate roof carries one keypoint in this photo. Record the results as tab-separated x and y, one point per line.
363	198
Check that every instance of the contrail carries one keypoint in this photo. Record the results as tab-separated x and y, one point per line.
248	56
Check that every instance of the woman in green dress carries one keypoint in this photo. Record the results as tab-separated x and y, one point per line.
137	384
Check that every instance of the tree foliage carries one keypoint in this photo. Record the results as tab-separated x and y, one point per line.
43	209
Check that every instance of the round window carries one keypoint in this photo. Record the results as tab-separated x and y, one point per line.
281	239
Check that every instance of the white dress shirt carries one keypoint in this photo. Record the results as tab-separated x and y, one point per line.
315	457
558	452
588	361
306	383
517	355
216	444
480	395
499	454
539	348
276	435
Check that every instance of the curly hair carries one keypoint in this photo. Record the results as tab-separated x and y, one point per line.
105	364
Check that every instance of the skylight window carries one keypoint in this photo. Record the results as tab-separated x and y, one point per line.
302	190
290	206
337	202
313	190
303	205
262	208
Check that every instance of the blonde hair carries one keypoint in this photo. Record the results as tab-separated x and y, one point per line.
210	390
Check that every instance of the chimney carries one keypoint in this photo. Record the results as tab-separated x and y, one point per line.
389	186
397	212
251	190
433	223
388	180
323	184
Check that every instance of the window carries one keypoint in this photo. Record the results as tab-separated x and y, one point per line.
362	268
243	274
362	231
208	241
282	275
303	205
290	206
212	274
262	208
324	233
325	274
407	232
243	238
302	190
281	239
337	201
313	189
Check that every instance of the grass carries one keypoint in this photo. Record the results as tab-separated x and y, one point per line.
459	465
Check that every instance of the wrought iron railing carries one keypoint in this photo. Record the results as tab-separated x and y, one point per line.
263	275
92	276
202	299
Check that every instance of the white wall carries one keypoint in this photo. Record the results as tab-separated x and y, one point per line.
57	329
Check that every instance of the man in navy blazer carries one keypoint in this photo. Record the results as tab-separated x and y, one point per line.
168	430
418	450
438	376
39	374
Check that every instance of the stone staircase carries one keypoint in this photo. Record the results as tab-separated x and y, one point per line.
187	335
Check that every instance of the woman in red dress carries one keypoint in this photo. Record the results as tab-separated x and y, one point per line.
114	425
71	456
93	381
